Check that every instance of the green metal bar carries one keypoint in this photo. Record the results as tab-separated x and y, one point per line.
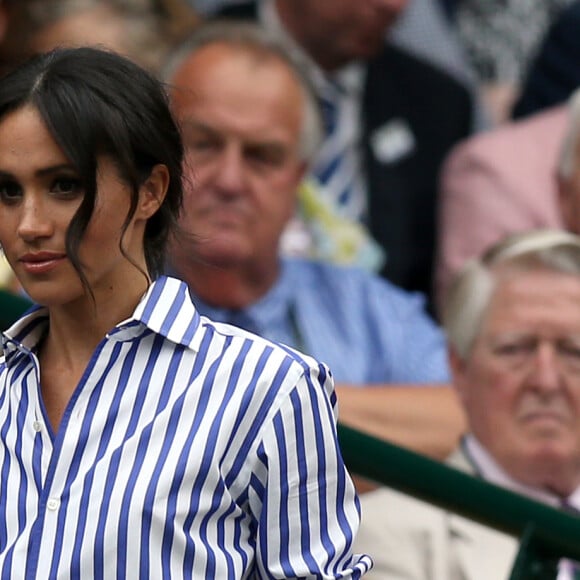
11	308
556	533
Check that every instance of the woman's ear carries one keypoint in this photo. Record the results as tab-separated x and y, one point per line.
153	191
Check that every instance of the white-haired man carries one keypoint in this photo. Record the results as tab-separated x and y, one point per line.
513	323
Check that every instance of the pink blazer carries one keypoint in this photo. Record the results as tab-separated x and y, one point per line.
494	184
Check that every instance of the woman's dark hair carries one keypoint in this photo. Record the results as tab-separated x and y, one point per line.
95	102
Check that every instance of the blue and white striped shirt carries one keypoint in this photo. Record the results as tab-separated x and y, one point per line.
189	449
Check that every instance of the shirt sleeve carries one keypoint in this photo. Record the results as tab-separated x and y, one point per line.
309	509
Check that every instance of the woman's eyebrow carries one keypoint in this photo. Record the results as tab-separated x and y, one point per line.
54	169
41	172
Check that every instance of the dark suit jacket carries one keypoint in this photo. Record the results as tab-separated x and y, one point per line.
437	111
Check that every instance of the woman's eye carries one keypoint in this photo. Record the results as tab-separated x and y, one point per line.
10	191
67	186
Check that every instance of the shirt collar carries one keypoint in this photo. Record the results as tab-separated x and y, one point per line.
274	306
25	334
348	80
166	309
267	312
491	471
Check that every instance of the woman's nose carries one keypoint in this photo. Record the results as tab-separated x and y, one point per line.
35	220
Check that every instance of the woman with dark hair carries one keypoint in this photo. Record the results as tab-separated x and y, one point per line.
137	438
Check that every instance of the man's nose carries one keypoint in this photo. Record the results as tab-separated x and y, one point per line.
35	220
546	374
230	171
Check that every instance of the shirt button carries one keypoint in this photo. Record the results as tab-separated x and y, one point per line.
37	426
52	504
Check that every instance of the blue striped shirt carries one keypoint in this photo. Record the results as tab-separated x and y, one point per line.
189	449
364	328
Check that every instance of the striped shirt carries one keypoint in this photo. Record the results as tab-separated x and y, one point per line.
189	449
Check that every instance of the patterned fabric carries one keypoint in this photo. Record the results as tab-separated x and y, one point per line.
318	232
367	330
502	36
337	166
181	454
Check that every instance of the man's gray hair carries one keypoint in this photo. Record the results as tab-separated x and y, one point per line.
569	151
253	38
471	291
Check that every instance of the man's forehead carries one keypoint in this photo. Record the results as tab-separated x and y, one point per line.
540	293
231	55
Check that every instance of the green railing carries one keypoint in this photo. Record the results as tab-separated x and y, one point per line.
12	307
546	534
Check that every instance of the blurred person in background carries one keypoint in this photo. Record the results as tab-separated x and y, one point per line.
143	30
251	126
390	118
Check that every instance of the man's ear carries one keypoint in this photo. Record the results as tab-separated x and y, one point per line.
301	171
457	365
299	176
153	191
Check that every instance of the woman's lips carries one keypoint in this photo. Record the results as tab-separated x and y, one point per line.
41	262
